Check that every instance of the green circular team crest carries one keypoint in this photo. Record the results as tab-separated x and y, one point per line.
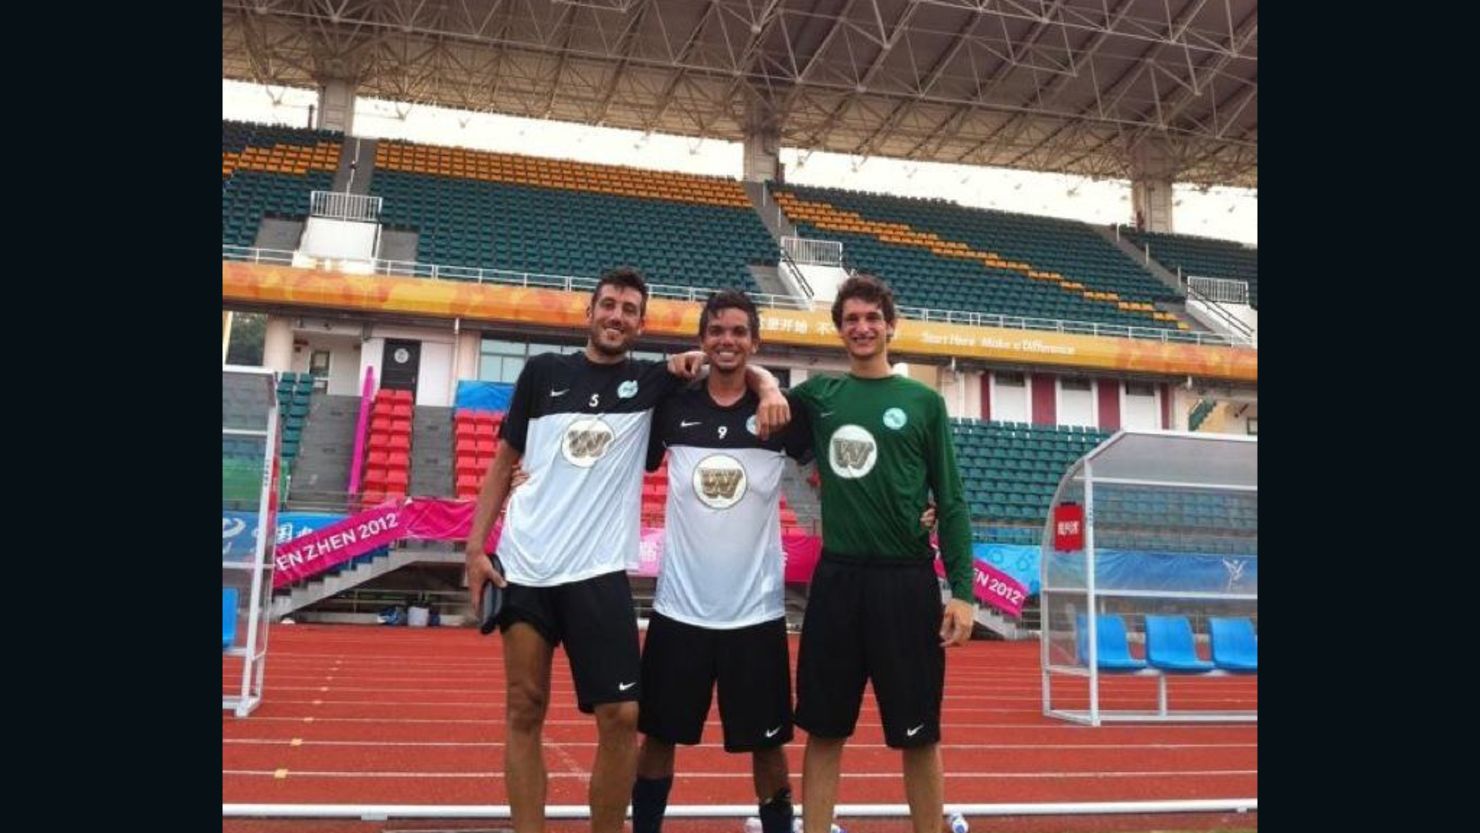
894	418
627	389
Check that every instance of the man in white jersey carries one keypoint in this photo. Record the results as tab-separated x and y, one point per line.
578	425
718	614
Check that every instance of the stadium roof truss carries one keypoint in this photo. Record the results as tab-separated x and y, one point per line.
1071	86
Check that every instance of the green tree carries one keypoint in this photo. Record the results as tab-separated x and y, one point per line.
248	336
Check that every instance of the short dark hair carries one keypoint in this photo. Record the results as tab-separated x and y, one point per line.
868	288
730	299
625	277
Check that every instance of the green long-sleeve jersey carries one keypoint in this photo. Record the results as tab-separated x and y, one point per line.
883	446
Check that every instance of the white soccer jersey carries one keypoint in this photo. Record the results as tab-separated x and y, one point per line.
722	563
583	431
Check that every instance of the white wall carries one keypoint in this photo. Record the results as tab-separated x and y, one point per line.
434	377
953	391
466	355
824	280
1140	412
338	239
1010	403
1243	313
1076	407
344	359
277	347
972	408
434	374
1183	401
371	352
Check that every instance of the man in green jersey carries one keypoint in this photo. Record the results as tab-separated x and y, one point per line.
873	611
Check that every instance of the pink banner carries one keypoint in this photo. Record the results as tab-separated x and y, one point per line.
337	543
994	587
437	519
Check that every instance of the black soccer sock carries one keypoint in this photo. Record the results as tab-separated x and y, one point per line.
649	802
776	814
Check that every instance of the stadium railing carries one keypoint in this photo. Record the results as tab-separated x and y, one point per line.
571	283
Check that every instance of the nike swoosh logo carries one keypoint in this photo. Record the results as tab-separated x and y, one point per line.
909	733
826	413
771	733
559	392
625	686
683	424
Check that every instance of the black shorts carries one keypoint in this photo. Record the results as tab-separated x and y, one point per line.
681	664
879	620
595	620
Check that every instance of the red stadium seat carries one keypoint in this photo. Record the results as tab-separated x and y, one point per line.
380	442
400	426
400	442
469	466
402	395
465	447
374	478
487	447
401	410
397	478
465	431
397	460
376	458
380	425
372	497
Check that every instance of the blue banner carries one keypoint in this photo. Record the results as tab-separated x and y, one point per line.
239	530
1160	571
1016	560
483	396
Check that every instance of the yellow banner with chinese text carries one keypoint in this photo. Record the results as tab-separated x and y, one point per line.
284	285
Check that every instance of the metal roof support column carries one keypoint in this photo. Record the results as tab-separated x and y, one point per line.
762	139
1152	169
336	105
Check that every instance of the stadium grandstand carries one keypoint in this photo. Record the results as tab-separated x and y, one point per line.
389	289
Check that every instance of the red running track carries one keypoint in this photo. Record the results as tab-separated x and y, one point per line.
375	715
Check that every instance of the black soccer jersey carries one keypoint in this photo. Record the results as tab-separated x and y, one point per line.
583	430
722	560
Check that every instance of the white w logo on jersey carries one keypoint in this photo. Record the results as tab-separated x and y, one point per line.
720	484
586	440
851	452
719	481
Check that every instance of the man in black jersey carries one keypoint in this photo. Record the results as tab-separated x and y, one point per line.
578	425
719	619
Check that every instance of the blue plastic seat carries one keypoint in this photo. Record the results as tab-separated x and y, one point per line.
1170	646
228	617
1114	649
1235	648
